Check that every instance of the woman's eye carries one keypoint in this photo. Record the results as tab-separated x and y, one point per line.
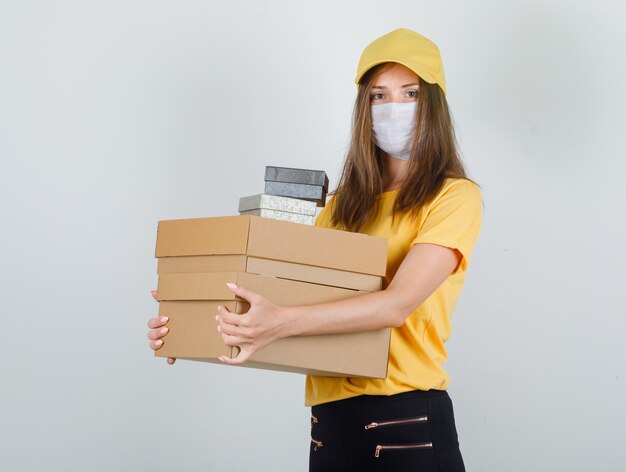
412	93
377	96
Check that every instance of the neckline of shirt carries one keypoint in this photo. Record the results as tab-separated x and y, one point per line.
388	193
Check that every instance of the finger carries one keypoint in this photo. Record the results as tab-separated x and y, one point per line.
156	344
157	322
244	354
157	333
154	294
230	330
248	295
231	318
171	360
234	340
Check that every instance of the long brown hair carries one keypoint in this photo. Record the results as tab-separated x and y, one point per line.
434	157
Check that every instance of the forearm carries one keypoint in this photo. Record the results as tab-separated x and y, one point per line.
360	313
387	308
422	271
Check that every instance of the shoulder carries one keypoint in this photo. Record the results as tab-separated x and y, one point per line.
453	218
456	202
459	186
457	191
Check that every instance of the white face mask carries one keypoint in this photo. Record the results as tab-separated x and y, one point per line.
393	125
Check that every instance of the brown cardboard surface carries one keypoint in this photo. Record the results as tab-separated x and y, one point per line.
190	295
193	328
202	236
212	286
202	286
192	264
274	367
314	274
317	246
331	355
273	239
346	355
280	269
335	355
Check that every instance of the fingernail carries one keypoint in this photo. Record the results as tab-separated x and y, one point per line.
219	330
163	330
231	285
164	319
158	343
217	317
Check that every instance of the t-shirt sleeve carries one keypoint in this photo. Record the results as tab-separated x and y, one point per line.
454	220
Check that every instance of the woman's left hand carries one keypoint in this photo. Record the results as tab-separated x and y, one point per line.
250	331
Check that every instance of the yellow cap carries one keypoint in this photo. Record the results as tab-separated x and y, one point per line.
408	48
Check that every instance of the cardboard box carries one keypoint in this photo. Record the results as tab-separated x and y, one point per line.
193	264
190	300
272	239
280	269
198	256
193	328
212	286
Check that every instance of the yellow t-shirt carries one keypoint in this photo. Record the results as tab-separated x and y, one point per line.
417	353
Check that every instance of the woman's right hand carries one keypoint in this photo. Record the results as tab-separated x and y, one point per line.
158	330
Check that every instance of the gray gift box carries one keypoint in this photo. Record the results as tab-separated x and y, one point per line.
275	202
296	176
281	215
315	193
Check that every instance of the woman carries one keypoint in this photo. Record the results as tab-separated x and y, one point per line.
402	180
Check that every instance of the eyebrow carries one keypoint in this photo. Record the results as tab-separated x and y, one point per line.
383	87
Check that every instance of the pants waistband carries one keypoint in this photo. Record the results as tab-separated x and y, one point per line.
386	398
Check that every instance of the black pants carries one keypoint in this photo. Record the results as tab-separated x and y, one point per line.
411	431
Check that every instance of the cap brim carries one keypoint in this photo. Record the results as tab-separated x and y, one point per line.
417	68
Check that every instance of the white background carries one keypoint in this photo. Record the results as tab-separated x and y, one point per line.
114	115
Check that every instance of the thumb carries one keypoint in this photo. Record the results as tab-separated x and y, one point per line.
154	294
245	351
247	295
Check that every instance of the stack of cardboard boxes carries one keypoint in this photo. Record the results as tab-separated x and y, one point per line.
290	195
288	263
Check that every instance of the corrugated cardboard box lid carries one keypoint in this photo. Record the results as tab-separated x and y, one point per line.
212	286
344	250
203	236
273	239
